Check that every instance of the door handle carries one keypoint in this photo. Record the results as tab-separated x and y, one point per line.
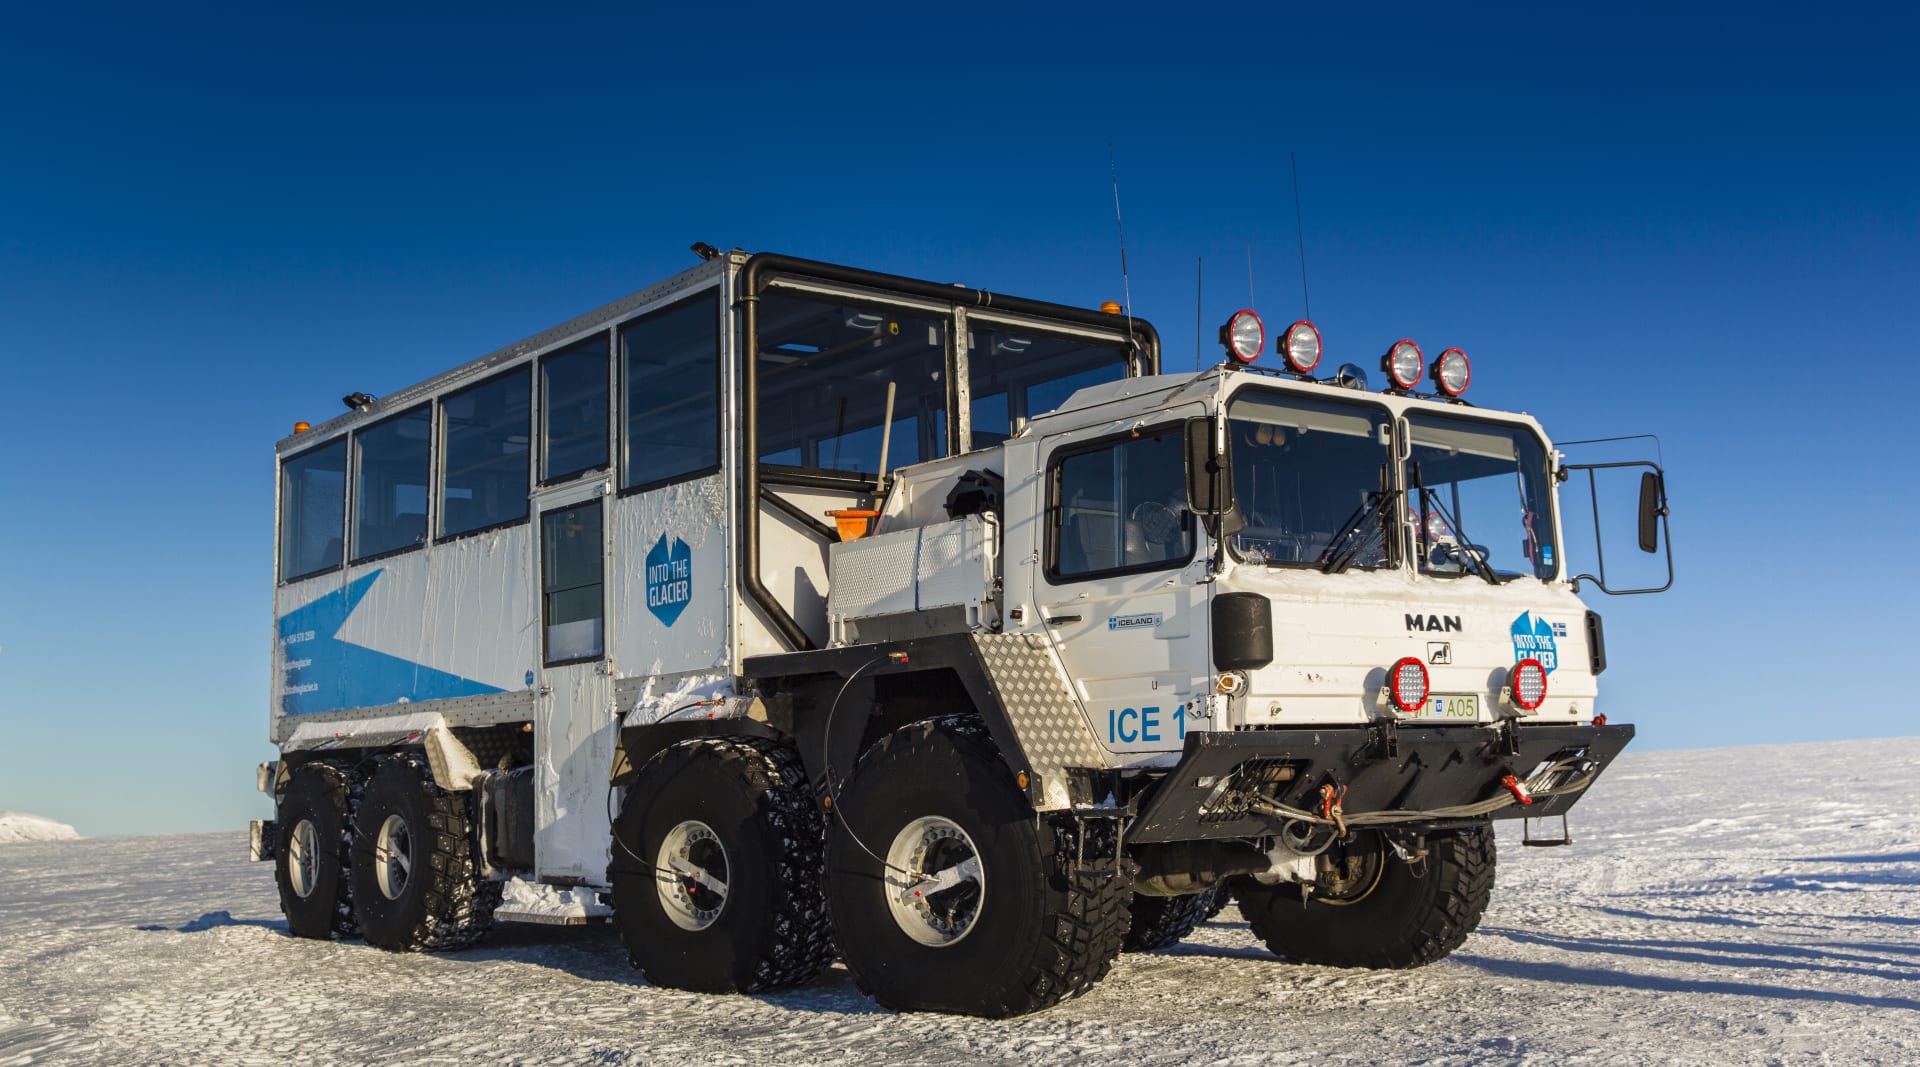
1058	620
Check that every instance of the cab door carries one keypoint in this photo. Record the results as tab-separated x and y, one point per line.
1123	584
575	721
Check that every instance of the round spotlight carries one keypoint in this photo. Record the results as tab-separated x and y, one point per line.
1402	364
1407	685
1301	347
1451	372
1244	335
1437	527
1529	683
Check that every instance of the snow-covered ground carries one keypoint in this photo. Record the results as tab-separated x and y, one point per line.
16	827
1757	905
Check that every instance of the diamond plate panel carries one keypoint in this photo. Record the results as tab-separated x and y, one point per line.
1033	691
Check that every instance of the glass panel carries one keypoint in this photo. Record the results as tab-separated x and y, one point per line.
571	575
1486	487
1124	507
485	462
573	410
390	484
313	510
824	371
1015	375
672	376
1304	471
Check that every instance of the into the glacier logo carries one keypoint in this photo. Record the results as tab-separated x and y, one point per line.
669	579
1533	639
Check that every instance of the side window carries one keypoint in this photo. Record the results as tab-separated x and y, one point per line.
573	410
390	484
571	577
670	367
1016	374
1121	508
484	454
313	510
826	371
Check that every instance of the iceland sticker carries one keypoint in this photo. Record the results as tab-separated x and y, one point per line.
1134	622
669	579
1533	639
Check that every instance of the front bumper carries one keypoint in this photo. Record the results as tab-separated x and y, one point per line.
1382	768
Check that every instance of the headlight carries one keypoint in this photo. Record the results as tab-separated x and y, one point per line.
1402	364
1302	347
1529	683
1452	372
1244	336
1407	685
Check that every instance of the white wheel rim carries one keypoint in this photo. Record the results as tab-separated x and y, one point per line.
303	858
690	873
393	857
934	884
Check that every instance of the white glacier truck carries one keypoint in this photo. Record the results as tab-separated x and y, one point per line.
1084	644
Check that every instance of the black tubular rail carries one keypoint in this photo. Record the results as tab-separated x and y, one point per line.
757	275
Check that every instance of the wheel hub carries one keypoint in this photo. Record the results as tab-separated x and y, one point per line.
393	857
691	875
934	884
303	863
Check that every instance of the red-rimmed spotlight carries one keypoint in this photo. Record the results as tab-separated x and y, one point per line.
1407	685
1451	372
1244	335
1402	364
1301	347
1529	684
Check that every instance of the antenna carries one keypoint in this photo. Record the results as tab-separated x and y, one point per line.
1126	288
1250	300
1199	331
1301	232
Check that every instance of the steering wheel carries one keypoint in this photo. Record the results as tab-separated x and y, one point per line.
1159	524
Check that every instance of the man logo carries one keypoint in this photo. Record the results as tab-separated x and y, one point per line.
1440	653
1434	624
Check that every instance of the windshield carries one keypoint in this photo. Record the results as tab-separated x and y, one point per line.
1479	489
1307	478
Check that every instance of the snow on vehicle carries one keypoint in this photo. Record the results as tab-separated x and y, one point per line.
1084	645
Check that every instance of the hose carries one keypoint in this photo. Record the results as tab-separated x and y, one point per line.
1537	785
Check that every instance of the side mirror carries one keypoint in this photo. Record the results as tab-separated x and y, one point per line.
1652	504
1209	474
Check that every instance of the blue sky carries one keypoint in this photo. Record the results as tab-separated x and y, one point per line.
1702	225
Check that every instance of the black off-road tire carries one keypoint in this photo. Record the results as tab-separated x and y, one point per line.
771	930
1162	921
443	903
1415	913
1043	931
320	794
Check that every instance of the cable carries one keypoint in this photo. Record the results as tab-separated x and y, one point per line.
826	762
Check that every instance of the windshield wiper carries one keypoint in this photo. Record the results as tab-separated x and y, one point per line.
1366	525
1429	504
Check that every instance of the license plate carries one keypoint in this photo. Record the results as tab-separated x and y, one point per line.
1442	708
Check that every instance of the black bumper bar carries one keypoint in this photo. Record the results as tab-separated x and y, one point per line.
1380	768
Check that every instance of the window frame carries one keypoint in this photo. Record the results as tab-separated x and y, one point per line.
540	576
1551	483
833	477
621	443
346	501
437	516
1056	511
1398	550
610	337
352	538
